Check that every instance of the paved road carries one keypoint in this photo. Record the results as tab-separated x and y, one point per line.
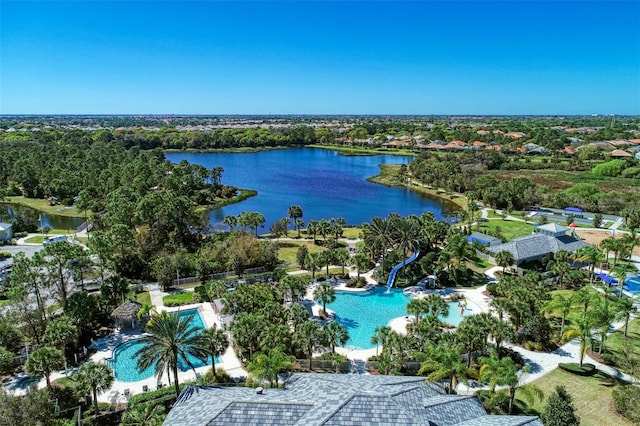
29	250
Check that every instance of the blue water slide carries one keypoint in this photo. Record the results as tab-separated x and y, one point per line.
394	271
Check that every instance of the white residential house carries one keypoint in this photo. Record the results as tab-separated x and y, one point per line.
6	232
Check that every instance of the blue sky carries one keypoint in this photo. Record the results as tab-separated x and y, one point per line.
303	57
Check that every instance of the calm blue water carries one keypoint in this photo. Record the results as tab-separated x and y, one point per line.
632	284
362	313
9	212
324	183
124	363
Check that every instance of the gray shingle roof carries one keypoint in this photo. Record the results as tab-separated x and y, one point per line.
503	421
537	245
331	399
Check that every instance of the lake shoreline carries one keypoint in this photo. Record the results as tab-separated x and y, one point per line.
388	173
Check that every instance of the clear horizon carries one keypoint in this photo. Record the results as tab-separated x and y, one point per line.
274	58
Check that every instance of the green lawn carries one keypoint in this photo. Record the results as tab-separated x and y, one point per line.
38	239
591	396
178	299
509	229
43	205
143	297
614	341
287	250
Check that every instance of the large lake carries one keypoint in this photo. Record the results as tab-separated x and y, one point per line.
324	183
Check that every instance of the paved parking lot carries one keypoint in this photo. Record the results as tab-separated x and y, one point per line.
29	250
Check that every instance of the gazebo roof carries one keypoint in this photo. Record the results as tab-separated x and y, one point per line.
127	311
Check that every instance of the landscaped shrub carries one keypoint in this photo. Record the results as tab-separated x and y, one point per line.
165	396
611	168
626	399
356	282
4	254
491	287
631	172
585	370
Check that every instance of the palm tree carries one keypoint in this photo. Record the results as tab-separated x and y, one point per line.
593	256
324	294
444	362
564	304
43	361
342	257
501	331
493	369
436	306
584	296
308	337
295	212
604	313
470	336
627	308
377	236
144	415
417	307
268	366
581	330
230	221
172	339
335	335
324	227
380	336
406	233
504	258
500	305
299	223
60	332
312	262
312	228
560	269
95	378
362	262
213	343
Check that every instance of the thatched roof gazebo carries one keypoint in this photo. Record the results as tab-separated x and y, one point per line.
126	314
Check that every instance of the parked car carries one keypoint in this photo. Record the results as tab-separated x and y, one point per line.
54	239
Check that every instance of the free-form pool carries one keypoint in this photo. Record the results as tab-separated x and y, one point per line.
362	312
632	285
124	363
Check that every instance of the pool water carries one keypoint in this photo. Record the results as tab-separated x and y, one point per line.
361	313
124	363
632	284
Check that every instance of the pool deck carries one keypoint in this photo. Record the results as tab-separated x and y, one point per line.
105	347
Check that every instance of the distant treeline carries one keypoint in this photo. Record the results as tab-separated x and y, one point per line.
79	167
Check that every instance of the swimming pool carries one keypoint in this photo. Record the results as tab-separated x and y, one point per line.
362	312
124	363
632	285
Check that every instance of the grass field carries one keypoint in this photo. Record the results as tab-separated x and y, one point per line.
288	249
591	396
38	239
561	180
509	229
178	299
143	297
43	205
